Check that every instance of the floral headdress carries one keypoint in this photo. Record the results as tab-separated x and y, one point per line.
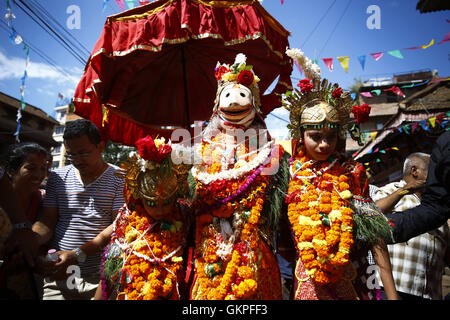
238	72
321	104
151	175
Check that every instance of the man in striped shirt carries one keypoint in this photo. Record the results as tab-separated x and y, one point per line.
81	201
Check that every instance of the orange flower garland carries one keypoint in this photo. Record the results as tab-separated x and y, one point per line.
142	279
321	220
228	271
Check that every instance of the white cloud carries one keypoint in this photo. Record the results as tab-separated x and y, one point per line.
13	68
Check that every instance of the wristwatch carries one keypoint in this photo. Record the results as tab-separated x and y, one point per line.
23	225
81	255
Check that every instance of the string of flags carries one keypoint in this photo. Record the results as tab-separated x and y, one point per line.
129	3
426	124
17	39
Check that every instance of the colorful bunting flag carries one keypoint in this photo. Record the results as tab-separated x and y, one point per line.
105	3
376	91
366	94
130	4
395	90
428	45
121	4
396	53
446	39
329	63
362	60
377	56
344	62
432	121
142	3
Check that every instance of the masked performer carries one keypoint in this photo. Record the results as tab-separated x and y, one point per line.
333	221
238	194
144	259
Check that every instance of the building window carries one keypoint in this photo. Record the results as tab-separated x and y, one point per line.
56	150
379	126
55	164
60	115
59	130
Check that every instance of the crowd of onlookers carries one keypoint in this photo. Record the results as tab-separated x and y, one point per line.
79	202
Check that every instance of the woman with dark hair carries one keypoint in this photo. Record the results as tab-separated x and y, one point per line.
27	165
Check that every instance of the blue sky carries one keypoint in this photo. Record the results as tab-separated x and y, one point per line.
402	26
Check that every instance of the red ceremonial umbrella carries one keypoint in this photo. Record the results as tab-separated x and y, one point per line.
152	70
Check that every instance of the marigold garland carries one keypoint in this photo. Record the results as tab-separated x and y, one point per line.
227	269
152	261
320	217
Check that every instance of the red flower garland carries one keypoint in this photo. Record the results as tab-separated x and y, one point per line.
246	77
305	85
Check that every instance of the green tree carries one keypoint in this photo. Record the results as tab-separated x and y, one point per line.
115	153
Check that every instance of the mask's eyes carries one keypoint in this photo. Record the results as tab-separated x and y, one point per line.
242	94
227	95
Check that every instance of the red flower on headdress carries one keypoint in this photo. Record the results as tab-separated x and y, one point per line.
146	148
361	113
163	151
337	92
305	85
219	72
148	151
246	77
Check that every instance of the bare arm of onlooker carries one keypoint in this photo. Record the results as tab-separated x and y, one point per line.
381	256
94	246
98	292
388	203
45	224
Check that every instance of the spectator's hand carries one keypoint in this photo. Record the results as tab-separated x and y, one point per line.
44	267
24	241
66	259
414	186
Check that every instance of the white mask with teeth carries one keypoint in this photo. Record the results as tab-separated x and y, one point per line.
236	106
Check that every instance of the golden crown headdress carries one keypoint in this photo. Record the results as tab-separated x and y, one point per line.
241	73
151	175
318	103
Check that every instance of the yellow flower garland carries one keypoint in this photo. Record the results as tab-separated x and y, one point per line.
322	221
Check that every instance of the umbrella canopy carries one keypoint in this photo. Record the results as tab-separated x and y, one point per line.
152	69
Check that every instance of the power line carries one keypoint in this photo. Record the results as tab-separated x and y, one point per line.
49	30
335	27
46	13
317	25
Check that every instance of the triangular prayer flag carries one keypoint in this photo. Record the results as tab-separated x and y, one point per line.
394	148
362	60
406	129
130	4
408	86
143	2
396	53
344	62
432	121
105	3
413	127
120	4
353	95
373	136
382	151
366	94
376	91
329	63
446	38
428	45
378	160
377	56
282	1
448	114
